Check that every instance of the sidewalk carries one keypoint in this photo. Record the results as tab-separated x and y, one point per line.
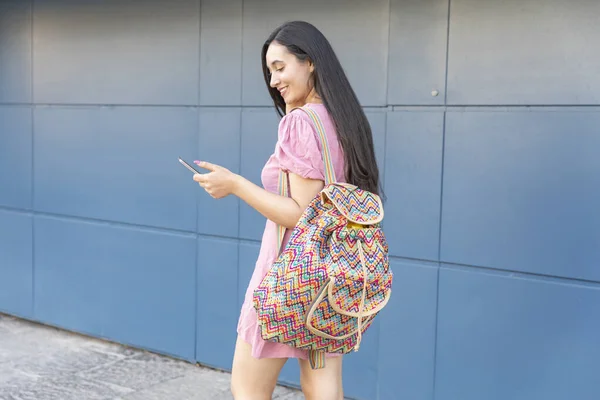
38	362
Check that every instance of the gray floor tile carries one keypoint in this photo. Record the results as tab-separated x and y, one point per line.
199	385
65	388
140	371
38	362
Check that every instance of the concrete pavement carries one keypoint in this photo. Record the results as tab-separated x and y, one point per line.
38	362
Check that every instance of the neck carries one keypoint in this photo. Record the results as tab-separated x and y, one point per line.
312	97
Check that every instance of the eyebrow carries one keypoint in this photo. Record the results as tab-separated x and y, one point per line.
276	61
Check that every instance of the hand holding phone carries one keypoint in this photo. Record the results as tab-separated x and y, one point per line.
217	181
189	166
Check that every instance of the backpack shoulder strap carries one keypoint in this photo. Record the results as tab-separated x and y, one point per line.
283	183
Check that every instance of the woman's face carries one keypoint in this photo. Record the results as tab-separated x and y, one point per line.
289	75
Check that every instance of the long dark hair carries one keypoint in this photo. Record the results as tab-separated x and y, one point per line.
306	42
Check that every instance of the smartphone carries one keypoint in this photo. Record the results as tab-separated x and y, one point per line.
188	166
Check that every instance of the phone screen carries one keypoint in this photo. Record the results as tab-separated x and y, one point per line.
189	166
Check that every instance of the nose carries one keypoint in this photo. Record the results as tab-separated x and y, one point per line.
274	81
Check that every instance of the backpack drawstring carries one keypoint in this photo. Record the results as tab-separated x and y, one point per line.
361	308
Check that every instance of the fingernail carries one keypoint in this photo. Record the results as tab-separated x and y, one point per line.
197	162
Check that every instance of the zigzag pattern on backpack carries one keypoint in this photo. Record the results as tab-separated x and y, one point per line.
333	277
321	269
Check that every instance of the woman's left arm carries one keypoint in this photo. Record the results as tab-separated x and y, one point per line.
286	211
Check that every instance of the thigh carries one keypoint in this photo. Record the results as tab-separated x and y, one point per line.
252	378
324	383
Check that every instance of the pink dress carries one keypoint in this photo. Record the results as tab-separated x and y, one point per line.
297	150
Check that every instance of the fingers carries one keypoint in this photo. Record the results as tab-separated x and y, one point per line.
203	181
206	165
212	182
200	178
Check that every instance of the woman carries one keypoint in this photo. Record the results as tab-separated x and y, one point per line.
300	69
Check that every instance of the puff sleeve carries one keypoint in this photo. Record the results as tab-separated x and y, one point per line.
297	149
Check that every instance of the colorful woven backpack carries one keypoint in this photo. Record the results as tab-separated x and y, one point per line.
333	277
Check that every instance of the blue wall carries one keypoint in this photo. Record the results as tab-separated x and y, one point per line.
493	184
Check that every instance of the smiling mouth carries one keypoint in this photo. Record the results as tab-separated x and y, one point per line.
282	91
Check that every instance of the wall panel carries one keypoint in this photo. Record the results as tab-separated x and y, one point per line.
16	263
218	309
259	136
417	52
16	162
521	191
221	53
116	52
413	182
220	143
15	51
118	164
407	333
131	285
524	52
505	337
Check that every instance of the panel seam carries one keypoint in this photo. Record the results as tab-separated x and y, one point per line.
437	300
198	94
240	115
197	236
389	107
447	52
241	100
32	126
387	77
239	203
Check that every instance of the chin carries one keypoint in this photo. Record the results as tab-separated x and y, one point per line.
293	103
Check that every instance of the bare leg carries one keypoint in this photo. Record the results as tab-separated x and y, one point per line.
251	378
322	384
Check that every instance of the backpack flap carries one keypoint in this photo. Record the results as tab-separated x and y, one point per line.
356	205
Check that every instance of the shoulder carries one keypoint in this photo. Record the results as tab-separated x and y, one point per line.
296	123
298	149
